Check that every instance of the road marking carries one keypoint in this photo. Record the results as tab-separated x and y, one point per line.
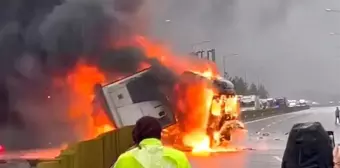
277	158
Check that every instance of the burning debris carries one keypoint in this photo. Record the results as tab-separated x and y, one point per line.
207	112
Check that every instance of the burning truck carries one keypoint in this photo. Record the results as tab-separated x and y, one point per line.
144	93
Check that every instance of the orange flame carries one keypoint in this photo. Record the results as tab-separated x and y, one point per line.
194	111
177	64
198	97
81	82
200	140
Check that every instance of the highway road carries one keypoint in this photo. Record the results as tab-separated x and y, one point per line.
267	139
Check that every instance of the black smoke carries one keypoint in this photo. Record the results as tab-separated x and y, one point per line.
40	39
84	30
124	60
129	6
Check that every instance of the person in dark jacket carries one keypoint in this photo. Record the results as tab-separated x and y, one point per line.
337	115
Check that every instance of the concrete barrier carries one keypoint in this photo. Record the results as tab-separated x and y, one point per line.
100	152
259	114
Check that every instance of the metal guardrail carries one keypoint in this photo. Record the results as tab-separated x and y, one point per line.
258	114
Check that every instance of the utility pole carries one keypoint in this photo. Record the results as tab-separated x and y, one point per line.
224	69
224	62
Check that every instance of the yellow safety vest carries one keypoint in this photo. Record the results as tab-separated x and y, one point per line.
152	154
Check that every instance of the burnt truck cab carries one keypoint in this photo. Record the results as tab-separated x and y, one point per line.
224	86
133	97
225	100
229	119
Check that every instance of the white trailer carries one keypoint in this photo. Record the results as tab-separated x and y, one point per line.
133	97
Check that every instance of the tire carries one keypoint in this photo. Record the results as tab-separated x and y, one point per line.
227	135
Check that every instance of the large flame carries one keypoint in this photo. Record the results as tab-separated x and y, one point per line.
201	102
178	64
197	104
83	106
198	101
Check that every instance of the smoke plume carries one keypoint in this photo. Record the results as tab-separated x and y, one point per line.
42	39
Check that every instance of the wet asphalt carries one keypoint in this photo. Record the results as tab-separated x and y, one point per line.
265	140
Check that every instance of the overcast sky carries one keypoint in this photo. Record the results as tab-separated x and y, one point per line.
284	44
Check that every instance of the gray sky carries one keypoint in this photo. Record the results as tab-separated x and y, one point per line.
284	44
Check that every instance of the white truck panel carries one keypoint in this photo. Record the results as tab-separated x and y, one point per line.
121	105
129	114
111	106
153	109
120	97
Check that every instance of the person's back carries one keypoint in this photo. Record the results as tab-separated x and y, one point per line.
152	154
149	151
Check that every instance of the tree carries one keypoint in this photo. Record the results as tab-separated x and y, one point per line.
227	76
262	92
241	86
253	89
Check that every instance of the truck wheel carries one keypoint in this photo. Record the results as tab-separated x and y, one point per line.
226	135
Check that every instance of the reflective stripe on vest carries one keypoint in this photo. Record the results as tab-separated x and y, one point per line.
151	155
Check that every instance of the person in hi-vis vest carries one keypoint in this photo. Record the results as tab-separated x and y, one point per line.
149	151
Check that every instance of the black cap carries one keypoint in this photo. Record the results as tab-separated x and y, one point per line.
146	127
